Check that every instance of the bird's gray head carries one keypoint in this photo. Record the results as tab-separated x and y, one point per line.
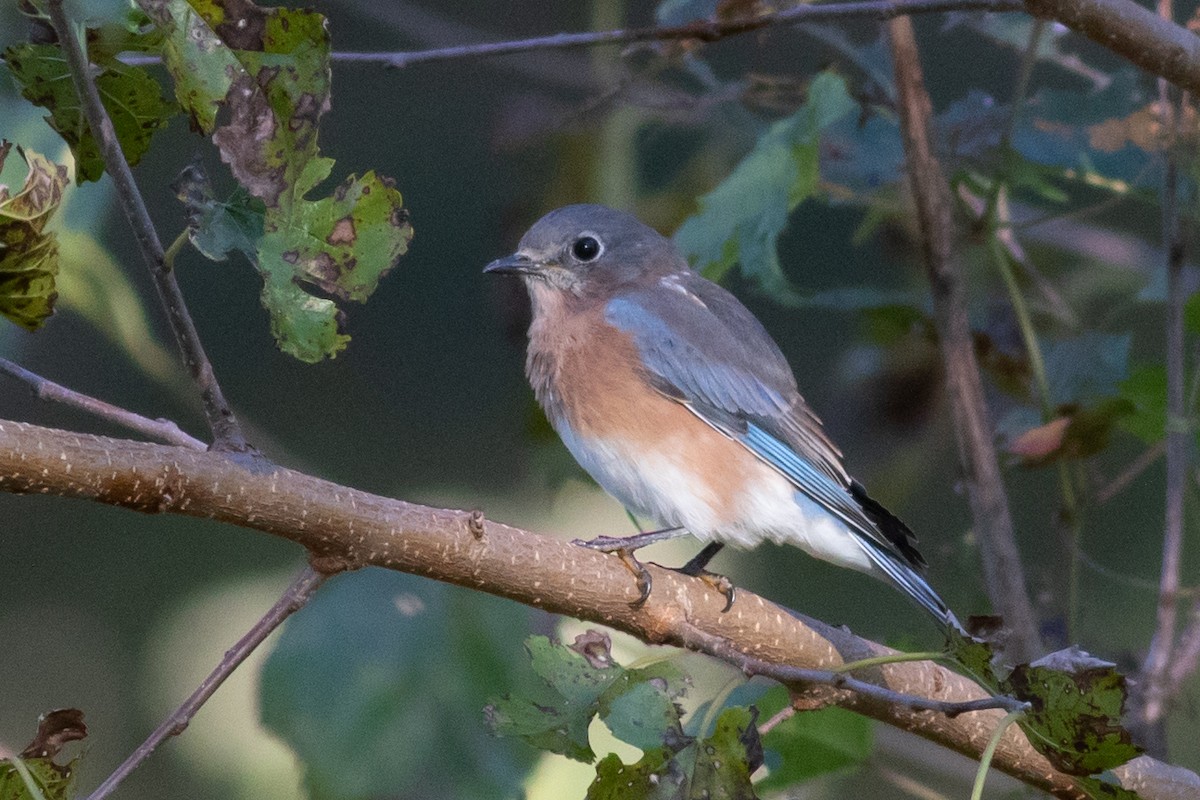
588	249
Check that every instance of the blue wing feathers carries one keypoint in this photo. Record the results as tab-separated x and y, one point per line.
733	376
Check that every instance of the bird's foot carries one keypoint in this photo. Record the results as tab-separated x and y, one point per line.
718	582
624	547
619	547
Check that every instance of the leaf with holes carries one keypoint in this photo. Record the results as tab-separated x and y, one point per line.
200	63
1075	715
340	246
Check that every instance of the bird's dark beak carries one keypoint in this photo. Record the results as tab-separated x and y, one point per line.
516	264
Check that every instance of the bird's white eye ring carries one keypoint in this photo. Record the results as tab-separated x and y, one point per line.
587	247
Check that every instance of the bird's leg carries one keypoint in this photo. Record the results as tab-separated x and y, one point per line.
624	546
696	568
612	544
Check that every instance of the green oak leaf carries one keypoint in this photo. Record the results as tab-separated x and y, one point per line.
28	252
741	220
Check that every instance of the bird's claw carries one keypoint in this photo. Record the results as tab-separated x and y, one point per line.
718	582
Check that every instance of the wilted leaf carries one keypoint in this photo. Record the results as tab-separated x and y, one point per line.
1075	718
741	219
28	252
201	65
1079	432
131	96
55	729
715	768
51	781
216	227
277	64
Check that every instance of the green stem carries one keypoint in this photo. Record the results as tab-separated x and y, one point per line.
31	785
894	658
172	251
1024	323
1074	532
985	760
1028	61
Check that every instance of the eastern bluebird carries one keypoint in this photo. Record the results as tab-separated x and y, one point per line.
669	392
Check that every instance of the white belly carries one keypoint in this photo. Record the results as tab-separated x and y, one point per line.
671	493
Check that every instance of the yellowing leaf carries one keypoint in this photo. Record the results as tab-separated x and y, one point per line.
29	253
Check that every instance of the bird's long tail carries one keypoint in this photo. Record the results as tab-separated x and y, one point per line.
909	581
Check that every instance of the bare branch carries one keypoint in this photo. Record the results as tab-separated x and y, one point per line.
1004	576
1187	653
704	30
351	528
163	430
293	599
1157	45
1127	476
1155	679
227	434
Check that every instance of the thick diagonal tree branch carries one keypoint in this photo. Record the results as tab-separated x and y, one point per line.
227	434
346	527
1004	576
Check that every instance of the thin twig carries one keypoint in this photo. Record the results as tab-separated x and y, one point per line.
1004	577
1158	659
703	30
787	674
1187	653
293	599
1127	476
227	434
163	430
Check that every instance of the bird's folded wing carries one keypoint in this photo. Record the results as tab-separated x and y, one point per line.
702	347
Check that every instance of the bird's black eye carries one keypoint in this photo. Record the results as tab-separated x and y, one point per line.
586	248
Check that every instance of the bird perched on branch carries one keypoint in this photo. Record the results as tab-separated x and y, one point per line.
669	392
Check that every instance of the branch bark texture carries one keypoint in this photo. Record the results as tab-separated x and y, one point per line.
1157	45
1004	576
343	527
